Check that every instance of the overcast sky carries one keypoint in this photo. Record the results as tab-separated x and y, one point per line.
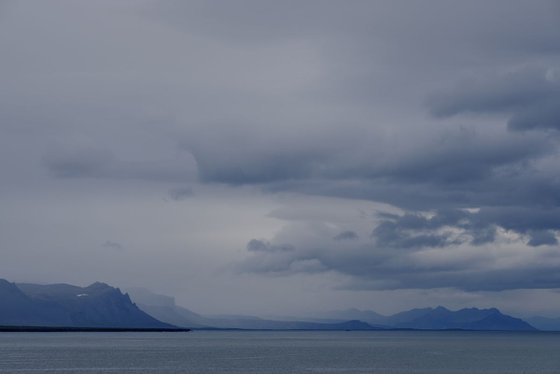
285	157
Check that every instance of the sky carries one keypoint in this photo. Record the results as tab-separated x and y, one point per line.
285	157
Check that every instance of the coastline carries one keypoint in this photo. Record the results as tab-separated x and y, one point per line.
86	329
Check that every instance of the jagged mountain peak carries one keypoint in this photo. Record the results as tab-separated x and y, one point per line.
97	305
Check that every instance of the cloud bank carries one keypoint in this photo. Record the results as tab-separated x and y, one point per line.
443	115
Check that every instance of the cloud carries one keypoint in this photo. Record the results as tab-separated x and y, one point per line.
477	227
529	97
251	154
388	234
346	235
469	250
100	163
435	230
546	115
444	113
503	265
542	237
263	246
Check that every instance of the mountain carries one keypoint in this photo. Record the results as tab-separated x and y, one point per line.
64	305
16	308
440	318
102	306
466	319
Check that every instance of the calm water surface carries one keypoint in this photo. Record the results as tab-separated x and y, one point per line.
280	352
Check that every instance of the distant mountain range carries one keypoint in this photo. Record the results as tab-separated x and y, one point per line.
98	305
102	306
440	318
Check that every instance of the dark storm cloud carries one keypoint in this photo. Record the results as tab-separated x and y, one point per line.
462	157
246	167
466	171
478	227
424	264
487	249
531	99
410	229
431	166
247	154
543	116
446	110
542	237
389	234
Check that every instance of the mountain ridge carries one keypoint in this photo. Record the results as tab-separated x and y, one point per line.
63	305
99	306
439	318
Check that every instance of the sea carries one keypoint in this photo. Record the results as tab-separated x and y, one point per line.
246	352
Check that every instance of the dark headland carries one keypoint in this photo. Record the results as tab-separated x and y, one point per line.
66	308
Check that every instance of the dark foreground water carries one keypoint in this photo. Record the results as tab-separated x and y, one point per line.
280	352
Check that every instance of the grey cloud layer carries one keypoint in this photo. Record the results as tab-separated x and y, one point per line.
447	110
530	97
97	163
448	250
